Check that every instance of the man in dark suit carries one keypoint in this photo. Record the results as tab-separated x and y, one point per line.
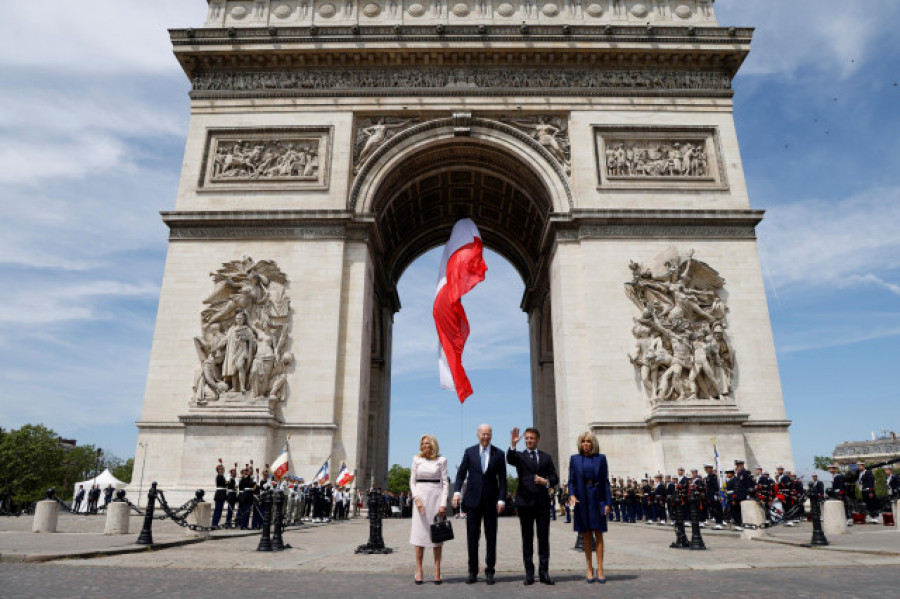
483	469
537	476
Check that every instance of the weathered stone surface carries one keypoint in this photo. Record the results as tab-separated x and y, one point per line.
118	514
46	516
834	518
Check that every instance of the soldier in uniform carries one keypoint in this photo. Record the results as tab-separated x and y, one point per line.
616	499
245	498
712	496
219	497
839	490
731	499
671	492
630	500
892	482
659	500
867	489
818	487
230	494
683	481
646	500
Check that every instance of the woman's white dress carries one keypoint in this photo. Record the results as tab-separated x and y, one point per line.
433	496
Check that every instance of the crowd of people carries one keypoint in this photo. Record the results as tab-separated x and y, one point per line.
93	498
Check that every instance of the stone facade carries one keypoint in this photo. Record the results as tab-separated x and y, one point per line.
342	187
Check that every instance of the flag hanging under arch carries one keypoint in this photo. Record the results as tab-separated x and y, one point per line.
462	267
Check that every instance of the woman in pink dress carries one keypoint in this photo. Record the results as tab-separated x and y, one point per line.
429	486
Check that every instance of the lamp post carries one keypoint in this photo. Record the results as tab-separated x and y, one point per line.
143	445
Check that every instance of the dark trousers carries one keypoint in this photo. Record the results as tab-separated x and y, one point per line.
528	517
474	517
736	513
715	508
871	503
245	505
230	513
217	511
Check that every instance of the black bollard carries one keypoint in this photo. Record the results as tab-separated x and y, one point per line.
277	541
120	495
579	542
818	535
696	539
376	540
265	541
681	540
146	536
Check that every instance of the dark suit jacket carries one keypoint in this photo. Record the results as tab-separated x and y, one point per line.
531	494
483	489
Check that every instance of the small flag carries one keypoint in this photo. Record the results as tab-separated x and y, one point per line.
462	267
344	477
322	474
281	464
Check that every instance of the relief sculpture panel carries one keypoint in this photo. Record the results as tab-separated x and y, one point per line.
245	336
681	351
284	159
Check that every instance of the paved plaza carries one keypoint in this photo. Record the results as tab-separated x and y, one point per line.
322	562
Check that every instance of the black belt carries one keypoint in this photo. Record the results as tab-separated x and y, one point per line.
428	480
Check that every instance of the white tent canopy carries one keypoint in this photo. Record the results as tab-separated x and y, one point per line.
102	480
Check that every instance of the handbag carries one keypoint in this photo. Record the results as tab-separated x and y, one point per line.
441	530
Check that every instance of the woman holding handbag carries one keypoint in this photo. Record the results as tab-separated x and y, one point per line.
430	487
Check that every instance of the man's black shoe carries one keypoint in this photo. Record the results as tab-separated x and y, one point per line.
489	578
472	579
529	580
545	579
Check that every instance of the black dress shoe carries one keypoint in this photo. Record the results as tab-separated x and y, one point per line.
545	579
529	580
489	578
472	579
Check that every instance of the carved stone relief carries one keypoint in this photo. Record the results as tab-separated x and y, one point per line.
659	158
681	351
550	131
400	80
373	132
286	158
245	336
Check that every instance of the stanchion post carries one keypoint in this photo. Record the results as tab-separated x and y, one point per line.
681	540
146	536
265	541
696	538
376	540
579	542
277	541
818	535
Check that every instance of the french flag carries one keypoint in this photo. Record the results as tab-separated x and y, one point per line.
462	267
281	465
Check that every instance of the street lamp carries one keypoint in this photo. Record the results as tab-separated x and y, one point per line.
144	445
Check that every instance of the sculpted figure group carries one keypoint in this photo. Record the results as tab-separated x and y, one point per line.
656	159
245	333
681	351
266	159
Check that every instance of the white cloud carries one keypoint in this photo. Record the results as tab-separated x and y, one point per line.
100	36
833	36
43	304
854	240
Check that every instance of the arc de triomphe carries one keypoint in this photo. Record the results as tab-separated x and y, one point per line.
332	142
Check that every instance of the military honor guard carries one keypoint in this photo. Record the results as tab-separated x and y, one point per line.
219	497
712	496
867	489
839	490
892	482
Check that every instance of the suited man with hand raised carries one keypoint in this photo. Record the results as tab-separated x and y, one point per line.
483	469
537	476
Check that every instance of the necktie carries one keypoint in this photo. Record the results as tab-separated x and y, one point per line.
534	457
484	456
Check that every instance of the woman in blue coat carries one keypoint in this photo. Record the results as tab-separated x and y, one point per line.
590	496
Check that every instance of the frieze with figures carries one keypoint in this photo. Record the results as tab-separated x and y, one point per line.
414	80
681	350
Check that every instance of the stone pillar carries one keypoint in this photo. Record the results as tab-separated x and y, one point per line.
752	513
894	508
46	516
201	516
118	514
834	519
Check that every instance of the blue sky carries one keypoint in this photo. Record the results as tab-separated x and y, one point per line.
93	118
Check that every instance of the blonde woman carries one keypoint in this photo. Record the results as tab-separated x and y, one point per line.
429	486
590	496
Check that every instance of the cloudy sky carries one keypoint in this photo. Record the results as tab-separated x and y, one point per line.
93	118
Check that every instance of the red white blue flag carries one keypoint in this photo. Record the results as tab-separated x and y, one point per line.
322	474
462	267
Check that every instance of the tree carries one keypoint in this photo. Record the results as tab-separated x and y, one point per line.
123	471
821	462
398	479
31	461
512	484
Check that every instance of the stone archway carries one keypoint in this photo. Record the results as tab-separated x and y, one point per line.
413	190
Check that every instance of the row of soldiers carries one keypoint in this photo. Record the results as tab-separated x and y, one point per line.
656	501
312	502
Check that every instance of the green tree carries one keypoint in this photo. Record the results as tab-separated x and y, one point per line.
123	470
821	462
31	461
398	479
512	484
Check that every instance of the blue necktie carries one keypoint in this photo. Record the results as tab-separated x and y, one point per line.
484	456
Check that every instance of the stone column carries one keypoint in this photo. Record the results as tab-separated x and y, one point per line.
834	519
46	516
201	516
117	517
752	513
894	508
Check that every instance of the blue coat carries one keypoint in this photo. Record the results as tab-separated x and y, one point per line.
589	483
